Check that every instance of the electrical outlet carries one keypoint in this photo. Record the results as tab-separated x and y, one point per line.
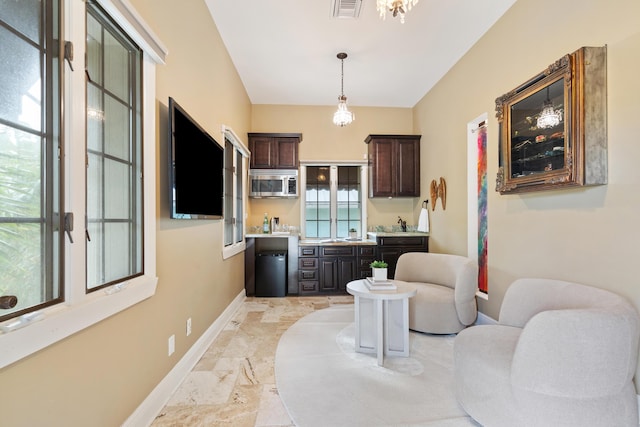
189	326
172	344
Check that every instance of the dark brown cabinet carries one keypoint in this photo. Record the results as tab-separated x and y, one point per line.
308	270
366	255
274	150
328	269
394	165
390	248
337	267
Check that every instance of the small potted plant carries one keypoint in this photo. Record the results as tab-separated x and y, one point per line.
379	271
353	233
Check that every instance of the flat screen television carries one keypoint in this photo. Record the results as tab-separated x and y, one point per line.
196	168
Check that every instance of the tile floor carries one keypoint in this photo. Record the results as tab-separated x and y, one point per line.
233	384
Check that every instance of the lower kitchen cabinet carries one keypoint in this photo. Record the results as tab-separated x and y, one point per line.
366	255
337	267
328	269
308	282
390	248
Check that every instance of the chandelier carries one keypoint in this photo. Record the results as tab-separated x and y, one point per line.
549	116
342	116
397	7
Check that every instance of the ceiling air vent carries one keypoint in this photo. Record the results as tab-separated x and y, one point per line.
346	8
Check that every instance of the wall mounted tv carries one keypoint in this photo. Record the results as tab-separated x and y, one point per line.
196	168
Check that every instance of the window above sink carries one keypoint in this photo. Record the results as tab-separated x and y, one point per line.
333	201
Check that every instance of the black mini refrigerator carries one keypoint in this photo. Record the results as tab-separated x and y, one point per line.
271	274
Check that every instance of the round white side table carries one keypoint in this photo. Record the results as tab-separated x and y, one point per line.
381	319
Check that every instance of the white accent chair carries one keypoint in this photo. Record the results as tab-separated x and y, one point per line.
562	354
446	285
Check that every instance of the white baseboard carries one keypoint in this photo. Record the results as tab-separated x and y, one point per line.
483	319
158	398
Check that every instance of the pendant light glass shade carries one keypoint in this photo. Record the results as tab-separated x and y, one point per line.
342	116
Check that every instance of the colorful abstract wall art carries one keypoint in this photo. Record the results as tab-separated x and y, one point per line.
483	284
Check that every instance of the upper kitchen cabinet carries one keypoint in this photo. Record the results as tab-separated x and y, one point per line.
394	165
274	150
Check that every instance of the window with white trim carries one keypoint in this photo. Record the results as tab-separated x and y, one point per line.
114	153
333	200
48	159
235	183
31	206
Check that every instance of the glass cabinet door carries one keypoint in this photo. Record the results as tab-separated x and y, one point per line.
537	132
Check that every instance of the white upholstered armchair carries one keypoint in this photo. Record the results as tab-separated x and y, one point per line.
562	354
445	302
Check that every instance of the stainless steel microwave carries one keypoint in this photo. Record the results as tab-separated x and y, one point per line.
273	183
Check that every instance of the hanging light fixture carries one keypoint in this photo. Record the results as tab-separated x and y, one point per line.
549	117
342	116
397	7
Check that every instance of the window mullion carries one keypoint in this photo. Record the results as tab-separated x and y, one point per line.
333	191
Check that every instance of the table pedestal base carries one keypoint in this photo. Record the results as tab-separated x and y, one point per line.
382	327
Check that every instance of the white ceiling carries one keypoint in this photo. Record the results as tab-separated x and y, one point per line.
285	50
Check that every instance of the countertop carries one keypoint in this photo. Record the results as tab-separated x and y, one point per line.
276	234
336	242
371	240
375	234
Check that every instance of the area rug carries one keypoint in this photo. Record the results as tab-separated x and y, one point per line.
322	381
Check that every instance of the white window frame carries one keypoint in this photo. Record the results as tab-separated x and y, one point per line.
237	247
332	163
30	333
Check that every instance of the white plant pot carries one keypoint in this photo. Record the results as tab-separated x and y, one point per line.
379	274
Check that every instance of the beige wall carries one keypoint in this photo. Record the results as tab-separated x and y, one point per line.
324	141
585	235
99	376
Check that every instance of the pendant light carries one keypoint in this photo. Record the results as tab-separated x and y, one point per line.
342	116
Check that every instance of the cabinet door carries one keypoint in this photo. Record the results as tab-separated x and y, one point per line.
328	274
336	272
274	150
382	172
262	153
394	165
287	149
408	171
347	268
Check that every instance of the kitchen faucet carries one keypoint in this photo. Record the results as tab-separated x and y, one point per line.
402	223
